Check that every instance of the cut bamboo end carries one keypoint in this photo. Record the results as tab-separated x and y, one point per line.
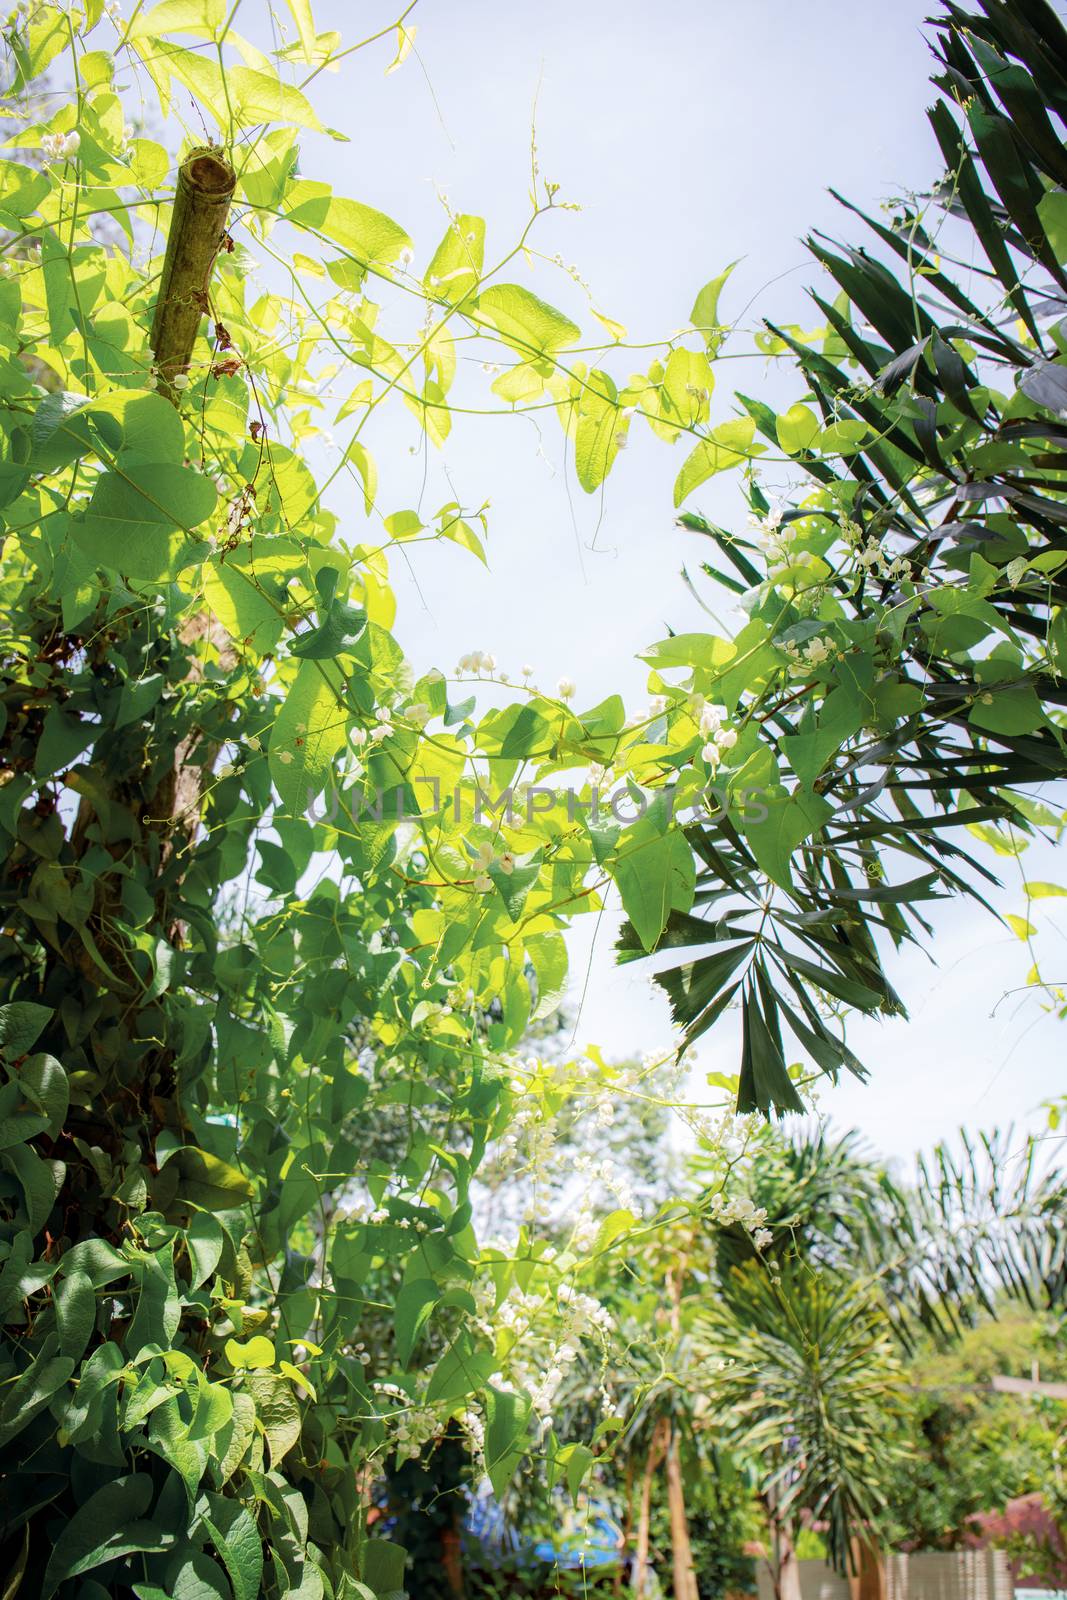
198	226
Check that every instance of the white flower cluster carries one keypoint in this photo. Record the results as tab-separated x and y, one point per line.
411	1427
476	661
812	654
870	556
576	1316
775	541
713	728
361	1209
739	1208
602	1172
61	146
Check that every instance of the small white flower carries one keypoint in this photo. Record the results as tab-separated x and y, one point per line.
712	754
405	258
488	662
527	671
420	715
726	738
180	380
711	719
482	882
506	862
359	736
566	688
285	757
485	854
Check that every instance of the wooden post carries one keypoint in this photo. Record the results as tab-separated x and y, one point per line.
197	228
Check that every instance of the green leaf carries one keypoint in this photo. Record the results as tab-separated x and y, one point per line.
300	10
576	1460
140	521
705	313
690	650
789	820
204	1240
1009	711
383	1566
596	438
653	875
308	735
235	1536
276	1411
261	97
461	1371
456	265
24	1396
526	322
798	429
21	188
20	1024
369	235
364	464
414	1303
339	630
196	1577
39	1179
508	1416
726	446
256	1352
108	1525
246	590
75	1302
210	1182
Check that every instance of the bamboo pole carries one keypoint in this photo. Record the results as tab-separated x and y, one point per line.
197	229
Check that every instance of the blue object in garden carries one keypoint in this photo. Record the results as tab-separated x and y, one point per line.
592	1540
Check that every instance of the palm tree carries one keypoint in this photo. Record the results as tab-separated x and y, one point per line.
801	1373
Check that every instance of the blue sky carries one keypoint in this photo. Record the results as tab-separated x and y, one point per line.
691	134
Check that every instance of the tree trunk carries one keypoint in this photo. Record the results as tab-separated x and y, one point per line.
197	229
627	1528
786	1565
685	1581
656	1451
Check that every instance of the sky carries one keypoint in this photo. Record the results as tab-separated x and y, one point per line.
692	134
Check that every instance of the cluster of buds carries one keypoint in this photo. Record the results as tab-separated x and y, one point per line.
487	857
718	735
61	146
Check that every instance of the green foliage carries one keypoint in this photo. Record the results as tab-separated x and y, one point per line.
898	683
255	1024
971	1450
